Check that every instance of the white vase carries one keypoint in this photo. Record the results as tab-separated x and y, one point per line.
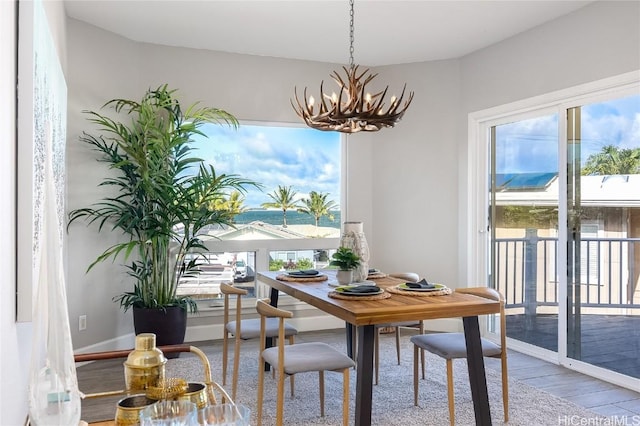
344	277
353	238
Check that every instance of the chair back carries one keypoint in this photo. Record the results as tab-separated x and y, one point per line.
228	290
489	293
266	310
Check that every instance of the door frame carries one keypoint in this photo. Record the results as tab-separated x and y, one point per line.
477	221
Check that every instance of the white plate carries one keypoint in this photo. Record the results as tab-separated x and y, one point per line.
404	287
341	290
337	284
300	275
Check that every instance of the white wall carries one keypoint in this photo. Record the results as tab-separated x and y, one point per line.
415	178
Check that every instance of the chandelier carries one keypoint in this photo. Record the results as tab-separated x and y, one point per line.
353	109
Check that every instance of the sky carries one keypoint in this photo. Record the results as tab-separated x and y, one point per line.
532	145
301	157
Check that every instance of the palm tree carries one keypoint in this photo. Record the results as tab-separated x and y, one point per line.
317	206
233	204
612	160
282	199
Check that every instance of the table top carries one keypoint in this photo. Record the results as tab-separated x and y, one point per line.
396	308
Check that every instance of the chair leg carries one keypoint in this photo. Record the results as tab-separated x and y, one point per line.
321	382
398	344
291	341
225	347
260	389
345	397
236	367
415	374
505	388
450	391
280	398
274	341
292	379
422	359
376	353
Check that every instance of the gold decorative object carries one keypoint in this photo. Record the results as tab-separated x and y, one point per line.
167	389
196	393
128	409
353	109
144	366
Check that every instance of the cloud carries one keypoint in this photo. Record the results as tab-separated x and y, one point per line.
532	145
304	158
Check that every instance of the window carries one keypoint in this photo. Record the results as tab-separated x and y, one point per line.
292	221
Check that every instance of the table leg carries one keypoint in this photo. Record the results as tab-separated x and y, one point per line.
477	377
350	342
364	378
273	297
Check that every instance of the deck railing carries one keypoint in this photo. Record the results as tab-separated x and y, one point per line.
526	272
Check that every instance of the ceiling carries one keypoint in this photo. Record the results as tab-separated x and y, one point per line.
386	32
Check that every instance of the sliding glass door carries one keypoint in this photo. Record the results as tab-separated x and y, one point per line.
603	235
563	246
524	225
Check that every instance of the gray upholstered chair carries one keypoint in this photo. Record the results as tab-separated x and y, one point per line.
453	345
407	277
299	358
243	329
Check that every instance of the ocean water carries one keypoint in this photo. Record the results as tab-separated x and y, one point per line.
274	217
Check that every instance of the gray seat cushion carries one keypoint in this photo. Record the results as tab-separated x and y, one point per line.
452	345
303	357
250	328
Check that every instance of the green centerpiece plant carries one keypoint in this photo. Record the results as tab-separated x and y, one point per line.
163	197
346	260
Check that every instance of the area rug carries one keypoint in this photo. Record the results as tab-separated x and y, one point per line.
392	397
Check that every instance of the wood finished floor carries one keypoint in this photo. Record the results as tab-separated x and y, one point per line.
607	341
599	396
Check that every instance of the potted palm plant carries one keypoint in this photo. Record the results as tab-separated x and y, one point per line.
164	199
346	260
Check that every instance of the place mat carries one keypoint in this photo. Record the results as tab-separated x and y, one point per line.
380	296
316	278
396	290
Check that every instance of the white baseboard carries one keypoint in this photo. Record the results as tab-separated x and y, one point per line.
117	344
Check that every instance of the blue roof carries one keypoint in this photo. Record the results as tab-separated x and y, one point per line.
523	181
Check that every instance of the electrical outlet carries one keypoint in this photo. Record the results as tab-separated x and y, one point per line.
82	322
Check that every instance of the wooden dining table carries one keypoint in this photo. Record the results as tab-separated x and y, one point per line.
363	315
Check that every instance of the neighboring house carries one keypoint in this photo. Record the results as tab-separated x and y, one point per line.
609	221
255	231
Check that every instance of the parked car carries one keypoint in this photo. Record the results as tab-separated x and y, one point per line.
242	272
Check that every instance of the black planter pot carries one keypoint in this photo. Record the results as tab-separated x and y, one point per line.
168	324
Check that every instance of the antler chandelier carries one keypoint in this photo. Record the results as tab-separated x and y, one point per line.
353	109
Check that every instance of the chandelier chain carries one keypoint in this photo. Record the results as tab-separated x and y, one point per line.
351	61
